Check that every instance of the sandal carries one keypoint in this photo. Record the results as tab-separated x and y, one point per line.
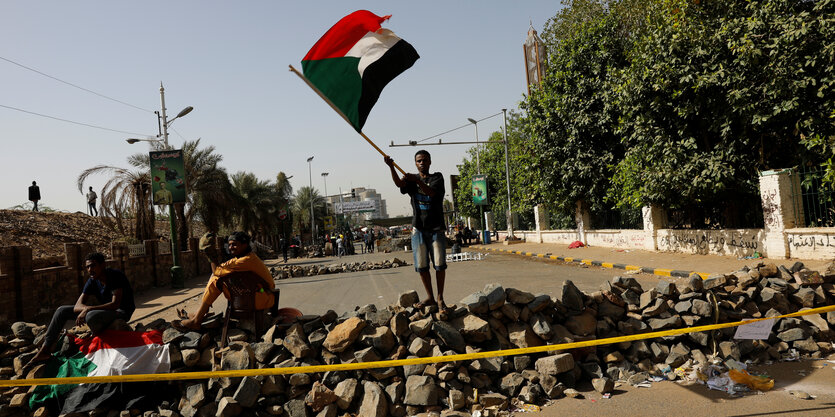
425	303
444	308
181	313
178	324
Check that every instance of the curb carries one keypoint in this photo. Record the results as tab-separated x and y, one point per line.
664	272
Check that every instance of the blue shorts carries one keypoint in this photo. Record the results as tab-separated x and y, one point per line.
426	246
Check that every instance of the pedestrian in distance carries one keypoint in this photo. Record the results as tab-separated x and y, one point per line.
426	191
91	202
34	195
340	246
106	296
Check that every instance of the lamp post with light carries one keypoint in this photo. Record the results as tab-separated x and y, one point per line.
176	270
484	232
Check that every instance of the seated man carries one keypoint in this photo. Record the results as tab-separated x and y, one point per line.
243	259
106	296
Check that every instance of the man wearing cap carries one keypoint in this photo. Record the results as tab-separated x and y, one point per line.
243	259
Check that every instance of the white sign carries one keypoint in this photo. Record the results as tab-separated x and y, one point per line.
757	330
356	206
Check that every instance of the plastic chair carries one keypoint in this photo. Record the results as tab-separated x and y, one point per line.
242	287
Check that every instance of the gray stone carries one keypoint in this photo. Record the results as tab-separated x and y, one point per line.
612	311
421	327
419	347
228	407
511	384
668	323
421	390
631	297
296	408
805	297
373	403
317	338
344	334
379	318
522	336
196	394
702	308
551	386
531	394
683	306
555	364
319	397
367	355
473	328
519	297
346	391
247	392
493	400
603	385
396	391
582	324
541	327
791	335
190	340
399	324
714	281
495	295
191	357
816	320
541	302
262	351
22	330
476	303
171	335
449	336
457	400
238	356
729	350
572	298
665	288
408	299
380	338
299	379
329	410
696	282
409	370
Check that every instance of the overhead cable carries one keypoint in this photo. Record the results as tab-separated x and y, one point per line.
73	122
457	128
73	85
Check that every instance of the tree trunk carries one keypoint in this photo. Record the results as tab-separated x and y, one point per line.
182	226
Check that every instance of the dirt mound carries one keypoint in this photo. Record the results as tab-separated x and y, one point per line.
46	233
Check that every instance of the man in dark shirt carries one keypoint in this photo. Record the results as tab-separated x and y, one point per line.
428	239
106	296
34	195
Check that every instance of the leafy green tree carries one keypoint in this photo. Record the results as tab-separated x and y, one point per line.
301	209
256	206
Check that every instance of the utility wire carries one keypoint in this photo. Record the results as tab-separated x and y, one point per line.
73	122
73	85
458	128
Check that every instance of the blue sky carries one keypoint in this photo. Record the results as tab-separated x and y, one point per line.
229	60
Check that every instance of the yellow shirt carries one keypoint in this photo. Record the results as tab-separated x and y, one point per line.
250	262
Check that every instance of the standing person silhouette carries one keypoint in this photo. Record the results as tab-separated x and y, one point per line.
34	195
91	202
428	239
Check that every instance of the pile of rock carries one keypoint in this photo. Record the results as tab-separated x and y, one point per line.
492	319
290	271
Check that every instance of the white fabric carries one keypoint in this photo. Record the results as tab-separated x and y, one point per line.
372	46
145	359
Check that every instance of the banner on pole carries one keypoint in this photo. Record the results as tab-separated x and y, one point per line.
364	206
480	190
168	177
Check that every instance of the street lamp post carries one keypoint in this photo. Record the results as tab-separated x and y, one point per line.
327	205
509	214
478	169
312	219
176	270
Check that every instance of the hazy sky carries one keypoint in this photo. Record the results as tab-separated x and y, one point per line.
230	61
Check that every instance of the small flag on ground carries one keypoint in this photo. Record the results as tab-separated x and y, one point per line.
353	62
112	352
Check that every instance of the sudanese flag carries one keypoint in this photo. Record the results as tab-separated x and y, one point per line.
353	62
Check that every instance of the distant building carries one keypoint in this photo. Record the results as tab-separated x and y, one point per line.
362	194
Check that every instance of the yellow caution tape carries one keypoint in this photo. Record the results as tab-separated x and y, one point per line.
182	376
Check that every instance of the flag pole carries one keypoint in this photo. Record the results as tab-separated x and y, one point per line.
336	109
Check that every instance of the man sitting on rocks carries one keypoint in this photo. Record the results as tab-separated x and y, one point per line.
106	296
243	259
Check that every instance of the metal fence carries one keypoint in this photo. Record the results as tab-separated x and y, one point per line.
817	197
137	249
164	248
626	218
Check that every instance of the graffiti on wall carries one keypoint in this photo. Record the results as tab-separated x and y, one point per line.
708	241
813	242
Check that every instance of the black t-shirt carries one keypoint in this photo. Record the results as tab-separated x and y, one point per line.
428	211
104	293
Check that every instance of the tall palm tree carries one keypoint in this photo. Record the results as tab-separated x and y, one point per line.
257	204
301	207
126	194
